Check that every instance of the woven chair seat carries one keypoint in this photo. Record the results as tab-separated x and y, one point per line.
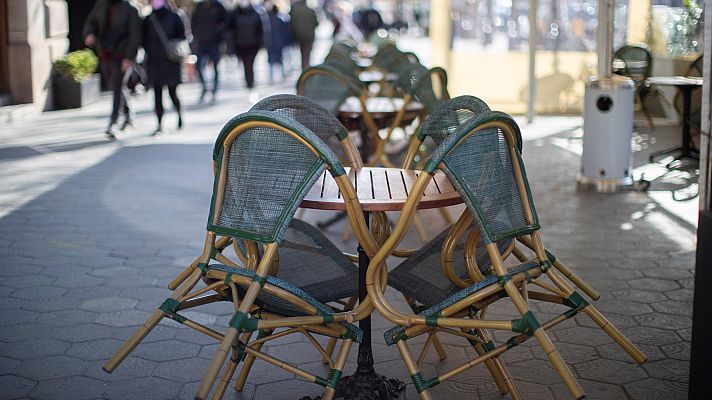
490	279
310	261
420	277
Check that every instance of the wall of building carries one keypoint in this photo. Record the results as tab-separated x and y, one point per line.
37	35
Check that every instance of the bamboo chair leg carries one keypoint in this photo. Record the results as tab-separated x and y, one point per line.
541	336
446	216
418	224
133	341
412	366
508	380
330	346
495	369
147	326
247	364
615	334
226	377
339	366
561	267
590	292
439	347
231	334
602	322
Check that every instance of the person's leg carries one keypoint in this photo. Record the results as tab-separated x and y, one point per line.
158	104
116	81
215	56
305	48
173	93
200	63
249	62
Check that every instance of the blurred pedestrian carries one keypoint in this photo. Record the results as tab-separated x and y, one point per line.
208	24
247	37
304	23
113	30
160	28
279	35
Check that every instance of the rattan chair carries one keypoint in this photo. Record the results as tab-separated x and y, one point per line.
443	122
329	87
482	160
636	62
266	162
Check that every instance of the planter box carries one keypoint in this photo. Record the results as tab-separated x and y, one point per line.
68	94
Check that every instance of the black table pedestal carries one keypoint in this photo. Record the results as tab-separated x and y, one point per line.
366	384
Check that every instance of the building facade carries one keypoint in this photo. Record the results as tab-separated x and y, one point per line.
34	34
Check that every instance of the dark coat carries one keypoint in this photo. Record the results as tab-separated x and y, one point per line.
122	37
246	28
161	70
304	22
279	36
208	22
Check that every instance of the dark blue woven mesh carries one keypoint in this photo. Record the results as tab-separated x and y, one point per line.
449	116
327	87
420	276
310	114
427	86
268	173
265	170
480	168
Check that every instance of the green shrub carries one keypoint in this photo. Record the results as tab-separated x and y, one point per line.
77	65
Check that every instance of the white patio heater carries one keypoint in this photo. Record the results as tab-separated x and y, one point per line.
607	118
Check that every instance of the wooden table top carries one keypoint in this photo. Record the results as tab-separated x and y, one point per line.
381	189
675	80
377	106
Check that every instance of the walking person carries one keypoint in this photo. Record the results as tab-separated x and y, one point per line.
113	30
162	26
247	37
304	23
279	35
208	23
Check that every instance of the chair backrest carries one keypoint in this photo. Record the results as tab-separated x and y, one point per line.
695	68
387	54
428	86
317	119
633	61
266	164
342	63
327	86
342	48
449	116
483	161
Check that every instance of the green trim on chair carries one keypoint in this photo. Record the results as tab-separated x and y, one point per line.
170	307
333	378
243	323
527	324
419	382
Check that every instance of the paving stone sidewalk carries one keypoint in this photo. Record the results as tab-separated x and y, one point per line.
91	231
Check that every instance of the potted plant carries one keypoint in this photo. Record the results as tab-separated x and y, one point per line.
75	83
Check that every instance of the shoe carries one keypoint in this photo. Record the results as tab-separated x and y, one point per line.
157	132
214	98
127	124
202	95
112	130
180	121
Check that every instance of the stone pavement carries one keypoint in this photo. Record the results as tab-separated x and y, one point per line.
91	231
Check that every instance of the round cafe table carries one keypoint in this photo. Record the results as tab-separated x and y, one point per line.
378	189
